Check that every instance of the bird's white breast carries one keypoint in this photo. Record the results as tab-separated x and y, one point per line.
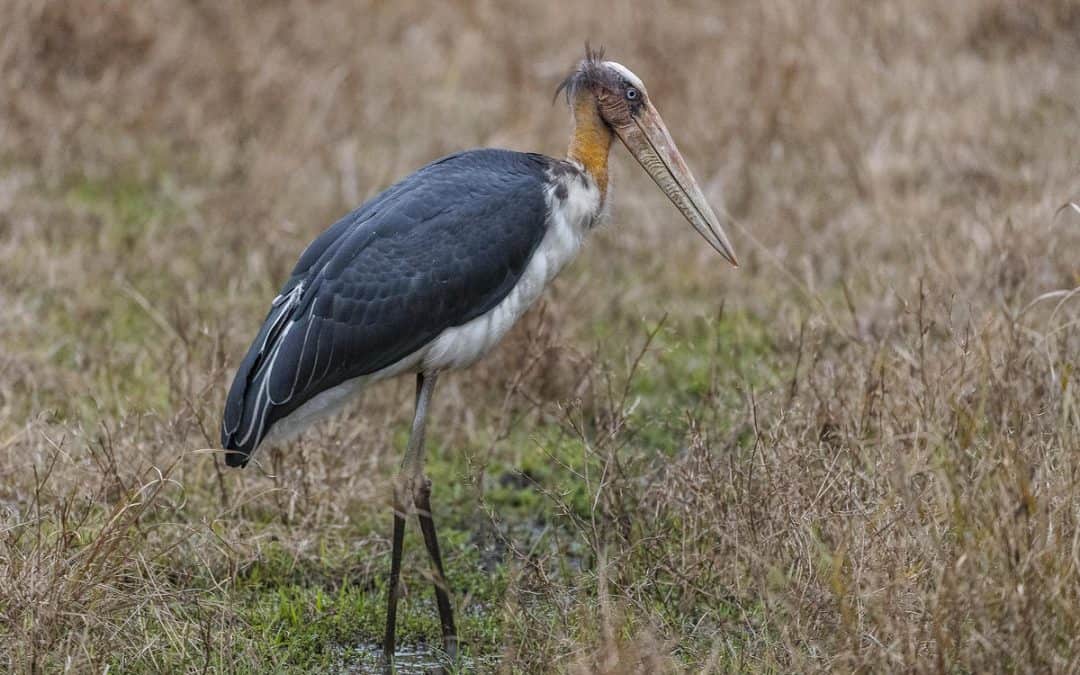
573	205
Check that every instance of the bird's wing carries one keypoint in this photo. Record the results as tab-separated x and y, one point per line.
434	251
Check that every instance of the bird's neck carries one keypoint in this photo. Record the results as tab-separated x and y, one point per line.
591	141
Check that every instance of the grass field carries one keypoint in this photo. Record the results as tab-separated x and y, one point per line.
858	452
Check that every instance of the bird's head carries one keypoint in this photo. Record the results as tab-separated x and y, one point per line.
607	98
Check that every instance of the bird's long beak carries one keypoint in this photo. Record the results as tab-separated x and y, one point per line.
648	140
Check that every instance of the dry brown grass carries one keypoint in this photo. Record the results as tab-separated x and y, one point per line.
868	460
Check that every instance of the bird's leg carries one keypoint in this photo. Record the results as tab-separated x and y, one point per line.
413	483
442	589
421	494
411	465
395	575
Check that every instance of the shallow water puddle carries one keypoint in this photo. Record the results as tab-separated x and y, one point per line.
367	658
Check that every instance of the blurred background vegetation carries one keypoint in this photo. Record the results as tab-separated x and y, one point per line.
860	451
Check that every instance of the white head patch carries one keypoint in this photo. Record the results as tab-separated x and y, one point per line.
625	72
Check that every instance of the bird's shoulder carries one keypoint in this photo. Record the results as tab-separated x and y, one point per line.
460	194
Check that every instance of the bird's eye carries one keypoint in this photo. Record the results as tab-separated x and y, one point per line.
632	94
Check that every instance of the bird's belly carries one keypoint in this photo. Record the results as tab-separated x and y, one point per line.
462	345
332	400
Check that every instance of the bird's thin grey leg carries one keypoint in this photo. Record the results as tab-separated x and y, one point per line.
413	481
412	465
402	488
421	493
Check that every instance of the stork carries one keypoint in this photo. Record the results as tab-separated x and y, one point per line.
430	274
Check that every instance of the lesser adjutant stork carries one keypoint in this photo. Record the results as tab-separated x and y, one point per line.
429	275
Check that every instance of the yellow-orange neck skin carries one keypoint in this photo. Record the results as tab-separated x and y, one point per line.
591	141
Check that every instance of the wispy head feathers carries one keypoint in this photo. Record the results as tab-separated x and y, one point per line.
589	71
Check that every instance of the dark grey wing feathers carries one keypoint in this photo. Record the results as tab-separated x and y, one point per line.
434	251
